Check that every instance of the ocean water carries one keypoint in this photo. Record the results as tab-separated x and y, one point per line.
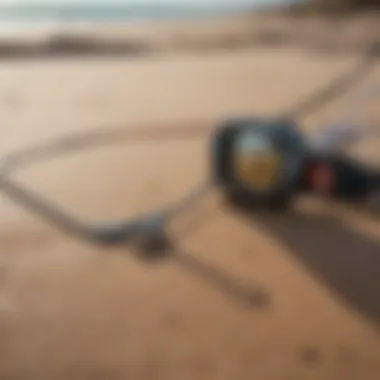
109	11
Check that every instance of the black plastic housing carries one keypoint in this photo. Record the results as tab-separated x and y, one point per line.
288	143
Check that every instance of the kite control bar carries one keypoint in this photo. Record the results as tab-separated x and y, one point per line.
267	162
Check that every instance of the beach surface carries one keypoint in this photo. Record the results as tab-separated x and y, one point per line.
69	310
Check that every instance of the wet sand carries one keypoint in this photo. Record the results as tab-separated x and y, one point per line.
69	310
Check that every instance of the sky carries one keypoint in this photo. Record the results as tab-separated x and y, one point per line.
176	2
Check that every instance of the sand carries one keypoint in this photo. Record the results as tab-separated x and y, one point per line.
70	310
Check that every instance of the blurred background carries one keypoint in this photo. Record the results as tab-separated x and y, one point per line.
69	310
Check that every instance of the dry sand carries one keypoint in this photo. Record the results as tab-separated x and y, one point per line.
69	310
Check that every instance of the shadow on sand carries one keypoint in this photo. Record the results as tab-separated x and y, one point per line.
61	46
348	262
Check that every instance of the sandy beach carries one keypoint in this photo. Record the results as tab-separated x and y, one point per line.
69	310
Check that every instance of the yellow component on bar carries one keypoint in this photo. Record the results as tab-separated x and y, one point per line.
258	171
